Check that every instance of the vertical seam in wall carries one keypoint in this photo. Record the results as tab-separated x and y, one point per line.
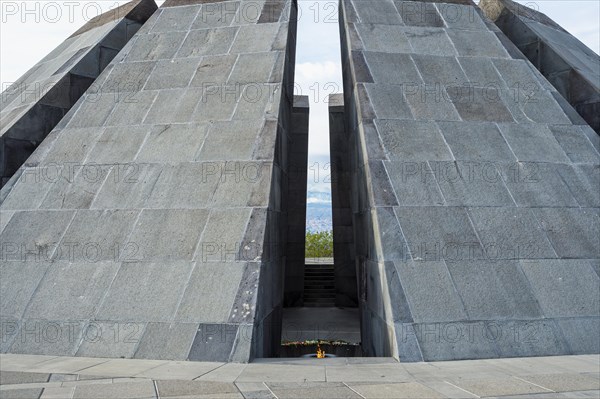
543	230
51	263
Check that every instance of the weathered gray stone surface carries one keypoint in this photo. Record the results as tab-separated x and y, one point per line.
571	67
32	106
473	197
154	221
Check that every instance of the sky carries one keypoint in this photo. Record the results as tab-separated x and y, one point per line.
30	29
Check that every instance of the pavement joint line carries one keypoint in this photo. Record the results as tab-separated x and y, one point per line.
269	388
155	385
532	383
208	372
353	390
462	389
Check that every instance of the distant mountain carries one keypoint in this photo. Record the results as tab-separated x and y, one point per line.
318	211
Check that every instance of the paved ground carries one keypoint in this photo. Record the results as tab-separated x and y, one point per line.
26	376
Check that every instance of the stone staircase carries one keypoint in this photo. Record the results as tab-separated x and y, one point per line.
319	285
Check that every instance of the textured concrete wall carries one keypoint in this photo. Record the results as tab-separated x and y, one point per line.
341	153
151	222
297	185
475	204
568	64
33	106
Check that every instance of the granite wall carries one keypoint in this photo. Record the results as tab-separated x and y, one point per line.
567	63
297	186
152	221
32	106
475	197
342	152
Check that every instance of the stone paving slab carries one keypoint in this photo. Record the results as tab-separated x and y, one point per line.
376	378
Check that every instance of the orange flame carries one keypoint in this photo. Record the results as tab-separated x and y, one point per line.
320	352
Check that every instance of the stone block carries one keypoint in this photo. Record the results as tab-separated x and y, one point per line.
445	233
439	70
429	104
211	290
118	144
96	107
511	233
175	19
384	38
392	240
518	75
214	342
249	180
387	68
581	334
383	193
459	16
187	185
535	184
32	234
31	188
132	110
217	15
182	226
127	77
124	390
481	72
96	235
156	46
17	289
258	99
253	68
575	144
21	377
471	184
382	12
173	143
245	41
573	232
411	141
174	106
439	302
564	287
213	69
455	340
174	73
166	341
523	338
223	235
145	292
109	339
542	108
218	103
46	337
419	14
414	183
429	41
127	186
492	290
583	182
207	42
479	104
474	141
72	291
5	218
477	44
176	389
26	393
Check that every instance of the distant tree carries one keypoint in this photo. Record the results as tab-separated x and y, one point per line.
319	244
